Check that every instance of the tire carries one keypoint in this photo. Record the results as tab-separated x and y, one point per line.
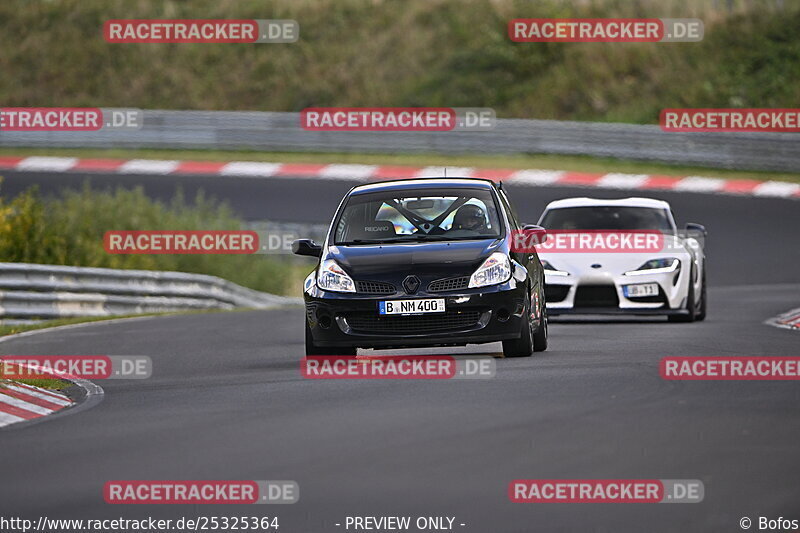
690	305
701	313
540	337
522	346
312	350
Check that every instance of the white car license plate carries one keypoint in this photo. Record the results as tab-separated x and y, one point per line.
411	307
642	289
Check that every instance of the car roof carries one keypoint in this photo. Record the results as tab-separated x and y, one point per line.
423	183
602	202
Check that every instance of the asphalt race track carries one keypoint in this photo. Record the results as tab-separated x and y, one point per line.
226	399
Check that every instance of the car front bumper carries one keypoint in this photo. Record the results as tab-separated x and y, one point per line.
472	316
603	293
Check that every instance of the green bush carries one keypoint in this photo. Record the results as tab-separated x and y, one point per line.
69	230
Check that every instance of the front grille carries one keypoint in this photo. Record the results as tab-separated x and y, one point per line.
555	293
374	287
596	296
449	284
372	322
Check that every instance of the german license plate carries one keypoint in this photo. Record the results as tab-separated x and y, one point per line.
411	307
642	289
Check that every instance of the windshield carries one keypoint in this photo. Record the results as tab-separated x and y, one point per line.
417	216
607	218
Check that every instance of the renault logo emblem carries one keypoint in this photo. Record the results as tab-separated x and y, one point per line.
411	284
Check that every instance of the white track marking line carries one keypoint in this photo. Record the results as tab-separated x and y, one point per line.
148	166
700	184
776	188
536	177
347	172
622	181
452	172
53	164
250	168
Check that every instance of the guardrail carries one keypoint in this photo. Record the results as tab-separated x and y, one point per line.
226	130
31	291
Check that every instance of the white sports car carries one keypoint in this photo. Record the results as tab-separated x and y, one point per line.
622	257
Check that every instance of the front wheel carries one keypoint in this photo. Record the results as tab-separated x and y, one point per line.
523	346
690	305
312	350
701	314
540	337
529	340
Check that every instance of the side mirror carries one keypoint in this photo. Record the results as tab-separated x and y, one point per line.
536	233
306	247
696	228
524	241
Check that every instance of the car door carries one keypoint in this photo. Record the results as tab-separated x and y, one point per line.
528	258
523	258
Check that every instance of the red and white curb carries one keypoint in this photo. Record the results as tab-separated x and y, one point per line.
25	409
788	320
20	402
365	173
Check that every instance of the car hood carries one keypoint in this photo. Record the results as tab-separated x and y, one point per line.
445	259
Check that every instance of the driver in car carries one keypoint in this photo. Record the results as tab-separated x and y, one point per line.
469	217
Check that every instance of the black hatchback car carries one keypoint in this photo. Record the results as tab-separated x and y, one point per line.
424	262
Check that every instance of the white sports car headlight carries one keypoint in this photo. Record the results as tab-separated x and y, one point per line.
331	277
665	265
496	269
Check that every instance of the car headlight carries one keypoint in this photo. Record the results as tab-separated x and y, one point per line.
550	270
664	265
331	277
308	284
496	269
